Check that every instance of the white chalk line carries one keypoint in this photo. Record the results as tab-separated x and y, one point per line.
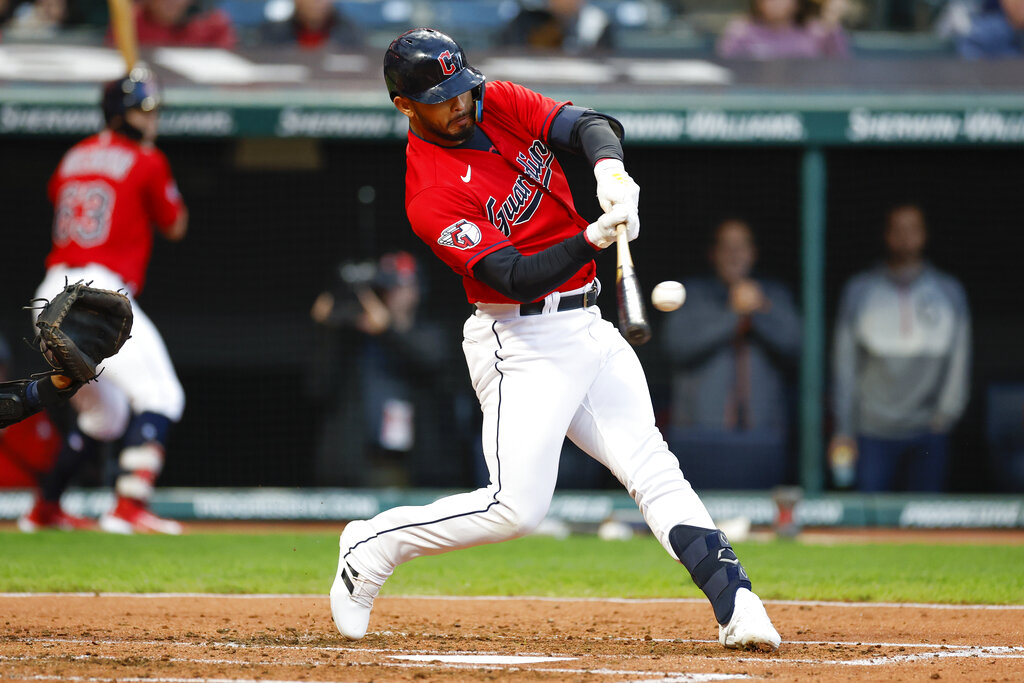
945	651
663	677
942	650
504	598
244	646
332	648
438	658
986	652
1008	649
154	679
991	652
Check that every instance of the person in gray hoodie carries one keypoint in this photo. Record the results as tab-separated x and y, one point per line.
901	363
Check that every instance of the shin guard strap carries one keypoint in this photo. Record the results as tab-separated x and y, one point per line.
712	564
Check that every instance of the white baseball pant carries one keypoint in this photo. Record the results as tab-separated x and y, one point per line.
139	378
539	378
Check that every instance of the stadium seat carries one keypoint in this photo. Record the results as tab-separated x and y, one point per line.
634	13
473	14
756	459
1004	428
474	22
248	12
892	44
379	14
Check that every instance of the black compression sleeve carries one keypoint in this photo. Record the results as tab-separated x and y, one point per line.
597	139
586	131
527	278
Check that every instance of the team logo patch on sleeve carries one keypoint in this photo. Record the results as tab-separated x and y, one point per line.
461	235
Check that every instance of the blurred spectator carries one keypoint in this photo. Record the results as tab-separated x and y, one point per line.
27	448
1004	429
731	347
786	29
182	23
40	19
901	364
6	8
567	25
312	24
995	29
383	380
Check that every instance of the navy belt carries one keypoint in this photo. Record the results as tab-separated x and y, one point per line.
566	303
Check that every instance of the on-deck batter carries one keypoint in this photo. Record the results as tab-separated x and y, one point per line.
108	192
485	192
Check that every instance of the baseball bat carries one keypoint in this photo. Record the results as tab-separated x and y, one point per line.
122	24
632	317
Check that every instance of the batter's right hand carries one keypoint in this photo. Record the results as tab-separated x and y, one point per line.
602	232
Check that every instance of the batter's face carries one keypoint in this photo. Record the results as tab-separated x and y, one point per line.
448	123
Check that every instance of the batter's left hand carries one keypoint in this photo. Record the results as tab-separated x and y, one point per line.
632	224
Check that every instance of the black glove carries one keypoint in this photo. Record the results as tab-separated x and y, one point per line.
80	327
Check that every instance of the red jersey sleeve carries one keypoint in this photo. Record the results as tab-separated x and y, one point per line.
529	108
455	228
160	193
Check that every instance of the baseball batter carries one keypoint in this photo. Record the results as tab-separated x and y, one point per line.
485	192
108	192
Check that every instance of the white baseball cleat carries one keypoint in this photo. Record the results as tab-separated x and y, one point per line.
749	628
352	593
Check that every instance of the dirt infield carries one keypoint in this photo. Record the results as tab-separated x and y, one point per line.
188	639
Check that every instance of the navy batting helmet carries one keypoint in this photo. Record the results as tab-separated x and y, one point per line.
429	67
137	90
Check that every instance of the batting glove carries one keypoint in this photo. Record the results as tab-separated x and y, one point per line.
614	186
602	232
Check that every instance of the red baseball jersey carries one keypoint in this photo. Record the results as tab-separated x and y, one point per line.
27	449
108	192
467	203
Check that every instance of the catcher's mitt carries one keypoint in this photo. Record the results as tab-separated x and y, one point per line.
80	327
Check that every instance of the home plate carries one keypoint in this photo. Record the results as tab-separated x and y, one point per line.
480	659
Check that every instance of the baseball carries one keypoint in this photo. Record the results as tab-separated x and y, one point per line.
668	295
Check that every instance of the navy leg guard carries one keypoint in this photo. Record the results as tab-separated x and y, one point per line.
146	427
713	566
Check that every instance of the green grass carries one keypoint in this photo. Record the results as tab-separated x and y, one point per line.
580	566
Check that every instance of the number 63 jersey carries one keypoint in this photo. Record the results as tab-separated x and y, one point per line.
108	193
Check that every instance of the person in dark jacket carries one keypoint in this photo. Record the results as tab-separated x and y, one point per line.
731	348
